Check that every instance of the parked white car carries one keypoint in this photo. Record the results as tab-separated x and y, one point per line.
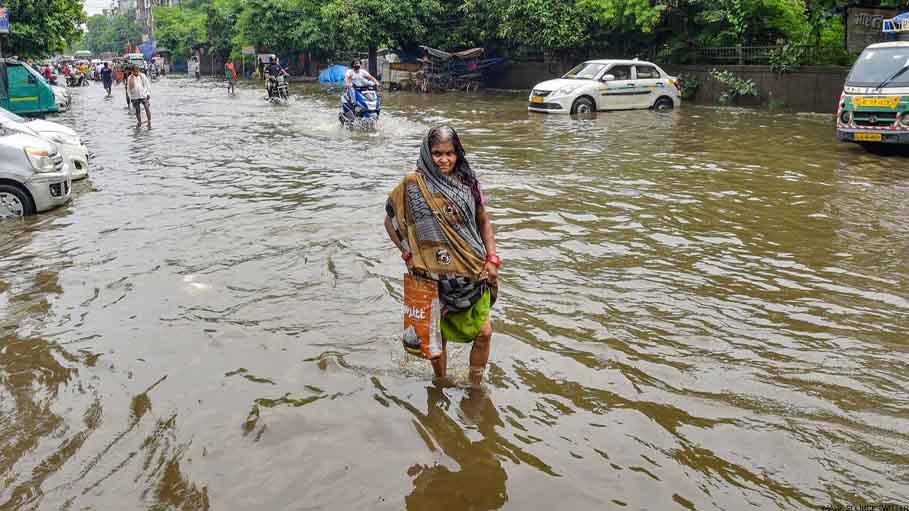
61	97
33	177
70	146
599	85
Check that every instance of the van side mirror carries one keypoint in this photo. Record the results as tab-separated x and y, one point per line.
608	78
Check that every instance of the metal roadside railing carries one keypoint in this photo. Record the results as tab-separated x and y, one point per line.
740	55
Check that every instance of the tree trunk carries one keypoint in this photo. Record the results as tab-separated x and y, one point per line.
373	65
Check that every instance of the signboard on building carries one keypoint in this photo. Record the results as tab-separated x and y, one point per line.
865	25
249	50
4	20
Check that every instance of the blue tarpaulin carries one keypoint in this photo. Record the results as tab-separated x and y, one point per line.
333	74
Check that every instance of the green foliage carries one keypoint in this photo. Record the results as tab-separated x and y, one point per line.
734	87
569	30
746	22
688	86
42	27
788	57
375	23
111	33
550	24
179	28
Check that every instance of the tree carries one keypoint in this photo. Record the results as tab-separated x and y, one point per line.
283	26
179	28
375	23
111	33
221	18
43	27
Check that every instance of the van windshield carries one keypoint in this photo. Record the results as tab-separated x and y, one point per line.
878	64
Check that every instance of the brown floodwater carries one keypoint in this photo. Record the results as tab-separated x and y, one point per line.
706	309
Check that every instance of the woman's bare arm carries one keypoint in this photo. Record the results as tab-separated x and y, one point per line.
390	229
489	241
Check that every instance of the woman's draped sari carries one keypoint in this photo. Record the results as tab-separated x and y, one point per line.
435	218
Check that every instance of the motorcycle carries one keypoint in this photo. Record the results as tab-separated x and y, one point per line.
360	107
76	79
278	89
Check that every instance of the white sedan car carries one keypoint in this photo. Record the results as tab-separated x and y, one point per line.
599	85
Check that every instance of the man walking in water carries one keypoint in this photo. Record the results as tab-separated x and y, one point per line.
139	91
231	74
107	78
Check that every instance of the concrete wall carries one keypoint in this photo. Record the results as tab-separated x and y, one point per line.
807	90
523	75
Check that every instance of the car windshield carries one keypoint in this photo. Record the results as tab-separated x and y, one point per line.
585	71
6	114
875	65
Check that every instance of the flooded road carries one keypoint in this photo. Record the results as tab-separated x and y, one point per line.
701	310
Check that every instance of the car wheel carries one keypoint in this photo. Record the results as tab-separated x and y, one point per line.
583	105
663	104
14	202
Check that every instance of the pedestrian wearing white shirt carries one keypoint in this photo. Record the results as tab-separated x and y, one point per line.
139	90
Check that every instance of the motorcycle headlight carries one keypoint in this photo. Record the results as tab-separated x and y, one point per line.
62	138
40	159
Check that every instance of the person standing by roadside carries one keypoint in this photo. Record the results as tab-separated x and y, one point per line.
48	73
107	78
437	218
139	90
231	72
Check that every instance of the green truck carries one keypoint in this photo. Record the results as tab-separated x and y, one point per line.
23	91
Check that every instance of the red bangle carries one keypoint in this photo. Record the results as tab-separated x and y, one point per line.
494	259
406	256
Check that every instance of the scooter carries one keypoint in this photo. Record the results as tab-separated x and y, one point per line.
360	107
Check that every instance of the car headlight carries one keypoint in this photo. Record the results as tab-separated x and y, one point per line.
846	117
564	91
62	138
40	159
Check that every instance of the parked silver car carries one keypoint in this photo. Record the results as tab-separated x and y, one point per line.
71	147
33	177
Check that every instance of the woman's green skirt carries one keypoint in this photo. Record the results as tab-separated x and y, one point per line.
465	326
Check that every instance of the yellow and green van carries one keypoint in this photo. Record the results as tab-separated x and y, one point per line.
24	91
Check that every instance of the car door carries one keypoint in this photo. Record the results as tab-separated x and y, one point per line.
649	81
618	93
23	89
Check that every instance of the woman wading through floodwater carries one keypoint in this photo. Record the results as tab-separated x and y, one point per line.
437	219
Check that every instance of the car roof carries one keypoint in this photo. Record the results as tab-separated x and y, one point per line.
892	44
619	61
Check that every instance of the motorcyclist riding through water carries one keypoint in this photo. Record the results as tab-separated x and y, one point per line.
272	72
353	78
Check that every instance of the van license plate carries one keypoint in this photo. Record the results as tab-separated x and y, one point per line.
868	137
876	102
536	99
